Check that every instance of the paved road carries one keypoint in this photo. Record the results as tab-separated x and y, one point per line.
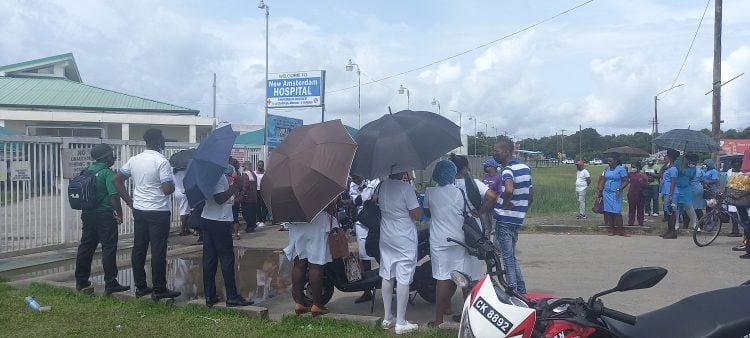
581	265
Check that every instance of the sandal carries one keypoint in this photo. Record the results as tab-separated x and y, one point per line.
300	309
319	310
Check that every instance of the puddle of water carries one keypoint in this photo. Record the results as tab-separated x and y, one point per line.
260	275
68	265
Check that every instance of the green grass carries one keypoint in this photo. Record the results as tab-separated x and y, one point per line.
76	314
554	190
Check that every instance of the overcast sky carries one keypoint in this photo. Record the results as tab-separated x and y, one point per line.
598	66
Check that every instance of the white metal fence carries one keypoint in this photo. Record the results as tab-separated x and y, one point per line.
33	211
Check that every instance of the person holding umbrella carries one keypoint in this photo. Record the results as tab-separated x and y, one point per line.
398	247
216	221
668	190
614	180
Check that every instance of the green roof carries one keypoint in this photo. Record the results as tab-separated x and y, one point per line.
71	69
253	137
58	93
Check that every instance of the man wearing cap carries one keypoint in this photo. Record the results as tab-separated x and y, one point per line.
651	190
153	182
100	225
583	180
491	176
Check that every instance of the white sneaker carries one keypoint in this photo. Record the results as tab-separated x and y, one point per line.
406	328
260	224
655	215
386	324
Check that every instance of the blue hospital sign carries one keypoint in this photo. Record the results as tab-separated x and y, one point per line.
295	89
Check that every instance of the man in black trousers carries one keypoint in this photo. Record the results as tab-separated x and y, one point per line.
152	179
100	225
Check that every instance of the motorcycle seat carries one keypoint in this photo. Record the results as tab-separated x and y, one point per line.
719	313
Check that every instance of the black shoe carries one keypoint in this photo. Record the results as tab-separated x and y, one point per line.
85	287
670	235
140	292
165	293
741	247
239	301
365	297
116	287
248	230
745	256
210	302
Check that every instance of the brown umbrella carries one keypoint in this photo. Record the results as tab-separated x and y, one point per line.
307	171
628	150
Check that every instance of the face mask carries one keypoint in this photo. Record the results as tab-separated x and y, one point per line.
691	165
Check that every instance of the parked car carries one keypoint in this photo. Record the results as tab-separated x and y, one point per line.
569	161
595	161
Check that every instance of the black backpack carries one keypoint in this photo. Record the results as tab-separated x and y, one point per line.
82	190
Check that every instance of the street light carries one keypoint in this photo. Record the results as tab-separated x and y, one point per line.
655	129
485	137
460	126
262	5
475	133
401	91
349	68
435	102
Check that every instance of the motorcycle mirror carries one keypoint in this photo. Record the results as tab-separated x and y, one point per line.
634	279
640	278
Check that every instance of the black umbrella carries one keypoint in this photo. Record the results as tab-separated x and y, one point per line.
181	158
407	140
687	140
628	150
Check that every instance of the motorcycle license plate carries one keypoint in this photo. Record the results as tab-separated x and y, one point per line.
492	315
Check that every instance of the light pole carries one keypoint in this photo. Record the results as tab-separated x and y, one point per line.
655	129
460	126
349	68
262	5
435	102
486	145
401	91
475	133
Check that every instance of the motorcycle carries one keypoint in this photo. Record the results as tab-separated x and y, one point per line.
334	273
495	310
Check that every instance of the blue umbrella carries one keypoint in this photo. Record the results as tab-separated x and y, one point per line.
208	164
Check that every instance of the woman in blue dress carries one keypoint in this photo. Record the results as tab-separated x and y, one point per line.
685	173
696	186
613	182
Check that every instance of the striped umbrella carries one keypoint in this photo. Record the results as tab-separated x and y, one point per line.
687	140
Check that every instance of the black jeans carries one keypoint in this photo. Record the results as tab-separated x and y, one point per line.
217	246
262	209
98	227
150	227
249	212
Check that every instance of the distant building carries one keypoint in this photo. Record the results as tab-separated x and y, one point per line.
46	97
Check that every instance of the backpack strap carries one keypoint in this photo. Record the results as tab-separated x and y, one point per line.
376	195
466	203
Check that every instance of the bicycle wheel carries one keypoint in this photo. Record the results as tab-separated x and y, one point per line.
708	228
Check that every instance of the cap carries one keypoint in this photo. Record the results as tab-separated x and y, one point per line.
101	151
490	162
580	162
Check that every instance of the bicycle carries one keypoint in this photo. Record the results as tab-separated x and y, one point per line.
708	227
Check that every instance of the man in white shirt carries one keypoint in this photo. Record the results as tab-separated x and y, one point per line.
153	182
583	180
216	223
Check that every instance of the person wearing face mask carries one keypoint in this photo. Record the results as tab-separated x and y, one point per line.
686	171
100	225
651	190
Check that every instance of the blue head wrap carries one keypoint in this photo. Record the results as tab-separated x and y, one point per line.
444	172
229	170
709	163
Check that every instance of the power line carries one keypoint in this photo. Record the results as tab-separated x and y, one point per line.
691	43
469	50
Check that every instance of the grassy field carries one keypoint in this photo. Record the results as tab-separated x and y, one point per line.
554	190
95	315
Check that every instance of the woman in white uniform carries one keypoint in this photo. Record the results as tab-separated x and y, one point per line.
361	190
474	266
398	247
181	201
308	249
445	206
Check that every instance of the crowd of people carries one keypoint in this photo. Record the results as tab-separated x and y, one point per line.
684	183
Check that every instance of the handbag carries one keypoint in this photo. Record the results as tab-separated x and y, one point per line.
370	214
598	207
337	240
353	268
472	230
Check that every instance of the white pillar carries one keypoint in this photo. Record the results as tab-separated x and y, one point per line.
2	123
192	138
126	131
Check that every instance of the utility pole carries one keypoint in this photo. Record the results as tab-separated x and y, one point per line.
214	100
562	141
716	102
655	127
580	143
